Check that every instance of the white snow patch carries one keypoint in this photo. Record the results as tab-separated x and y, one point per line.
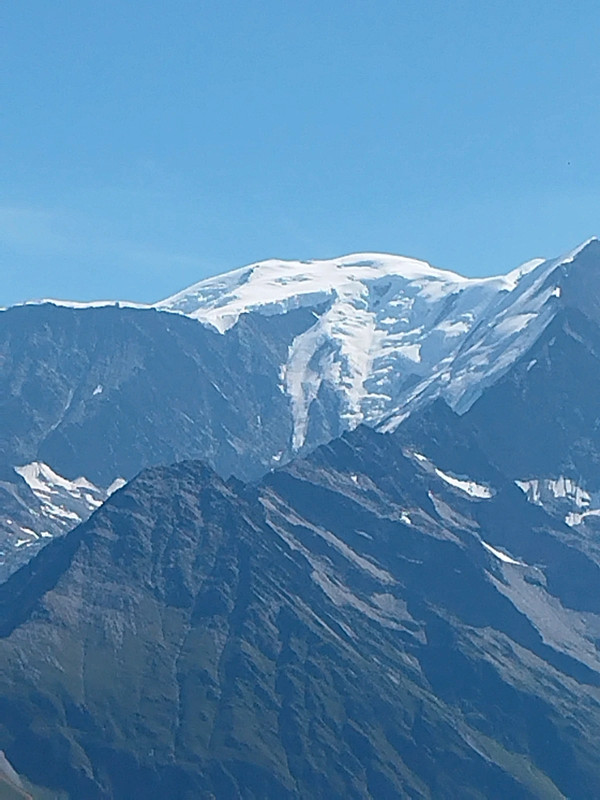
85	304
513	277
277	286
451	328
410	351
62	503
471	488
336	351
502	556
118	483
570	257
514	324
575	518
39	477
540	490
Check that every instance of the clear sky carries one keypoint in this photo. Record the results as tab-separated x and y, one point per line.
145	144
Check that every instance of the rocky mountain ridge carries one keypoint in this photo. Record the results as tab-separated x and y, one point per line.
280	357
367	622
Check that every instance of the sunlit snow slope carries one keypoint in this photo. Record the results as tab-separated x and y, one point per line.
389	332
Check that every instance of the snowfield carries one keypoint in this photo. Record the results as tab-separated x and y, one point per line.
390	332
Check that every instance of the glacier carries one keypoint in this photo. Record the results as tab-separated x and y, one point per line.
390	332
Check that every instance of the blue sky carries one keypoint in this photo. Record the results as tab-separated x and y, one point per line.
145	145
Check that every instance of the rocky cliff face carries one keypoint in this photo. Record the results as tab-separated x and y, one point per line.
104	392
364	623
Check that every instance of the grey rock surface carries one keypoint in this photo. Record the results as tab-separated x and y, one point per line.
363	623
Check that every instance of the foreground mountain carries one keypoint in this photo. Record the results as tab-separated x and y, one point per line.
373	621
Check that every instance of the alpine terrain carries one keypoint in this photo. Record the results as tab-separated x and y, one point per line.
344	536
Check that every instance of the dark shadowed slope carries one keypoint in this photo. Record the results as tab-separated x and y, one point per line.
362	624
104	392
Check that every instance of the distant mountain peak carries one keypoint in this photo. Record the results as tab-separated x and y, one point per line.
275	286
383	334
591	246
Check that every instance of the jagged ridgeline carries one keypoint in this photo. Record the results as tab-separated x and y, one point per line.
250	369
379	580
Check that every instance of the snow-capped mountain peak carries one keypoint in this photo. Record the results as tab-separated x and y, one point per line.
276	286
383	334
389	331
